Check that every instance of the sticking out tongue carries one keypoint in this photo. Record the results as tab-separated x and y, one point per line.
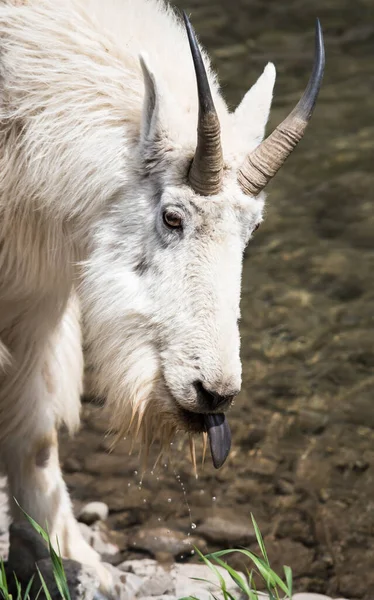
219	438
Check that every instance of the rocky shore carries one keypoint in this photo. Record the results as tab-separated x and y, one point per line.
22	549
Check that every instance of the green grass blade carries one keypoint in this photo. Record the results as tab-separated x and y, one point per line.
35	525
26	595
213	569
260	540
44	585
268	575
288	575
59	574
240	582
3	580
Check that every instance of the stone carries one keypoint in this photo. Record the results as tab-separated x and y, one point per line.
222	529
185	585
163	597
142	568
26	548
82	580
125	585
161	539
28	552
98	539
92	512
157	585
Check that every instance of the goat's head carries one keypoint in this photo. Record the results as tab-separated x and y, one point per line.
163	283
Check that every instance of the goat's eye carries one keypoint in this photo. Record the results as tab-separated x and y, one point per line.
172	219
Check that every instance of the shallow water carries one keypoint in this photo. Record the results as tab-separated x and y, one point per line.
303	426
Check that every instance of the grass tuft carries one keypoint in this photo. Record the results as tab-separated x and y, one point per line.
276	588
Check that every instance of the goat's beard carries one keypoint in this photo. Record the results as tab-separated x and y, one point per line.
140	407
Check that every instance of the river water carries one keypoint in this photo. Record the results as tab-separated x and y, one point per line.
303	426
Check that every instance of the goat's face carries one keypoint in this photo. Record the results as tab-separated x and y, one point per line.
163	285
162	288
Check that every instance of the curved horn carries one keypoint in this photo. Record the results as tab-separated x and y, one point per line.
265	160
206	171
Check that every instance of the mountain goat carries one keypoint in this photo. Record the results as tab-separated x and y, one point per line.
127	191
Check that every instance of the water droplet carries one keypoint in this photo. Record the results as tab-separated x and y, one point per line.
139	487
152	473
159	519
129	485
182	556
135	472
193	525
192	551
165	466
169	500
144	500
157	478
214	498
134	543
155	538
171	443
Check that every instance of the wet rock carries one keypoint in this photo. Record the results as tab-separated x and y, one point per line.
72	464
102	463
223	529
97	537
26	548
161	539
82	581
300	557
311	421
92	512
28	552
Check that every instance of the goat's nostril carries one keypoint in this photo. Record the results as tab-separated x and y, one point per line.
213	400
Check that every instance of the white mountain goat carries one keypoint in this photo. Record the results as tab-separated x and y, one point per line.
110	202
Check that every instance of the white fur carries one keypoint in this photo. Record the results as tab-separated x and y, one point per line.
95	145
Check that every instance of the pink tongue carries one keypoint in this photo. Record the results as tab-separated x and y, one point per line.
219	438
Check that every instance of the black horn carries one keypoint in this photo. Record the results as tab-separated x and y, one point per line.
206	171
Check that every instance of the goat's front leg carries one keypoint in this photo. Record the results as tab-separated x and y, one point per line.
30	451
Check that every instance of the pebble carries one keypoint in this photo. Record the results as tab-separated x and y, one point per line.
92	512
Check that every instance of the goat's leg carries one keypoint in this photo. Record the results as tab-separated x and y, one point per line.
31	453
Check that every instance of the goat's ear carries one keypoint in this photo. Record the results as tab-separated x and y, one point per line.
252	114
151	106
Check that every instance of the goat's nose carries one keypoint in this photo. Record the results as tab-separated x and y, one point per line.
213	400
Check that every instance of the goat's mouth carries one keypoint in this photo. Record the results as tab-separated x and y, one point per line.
218	430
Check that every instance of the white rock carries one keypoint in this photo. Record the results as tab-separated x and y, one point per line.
96	539
164	597
156	586
142	568
185	585
92	512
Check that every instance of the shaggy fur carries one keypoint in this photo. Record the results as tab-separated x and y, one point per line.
98	108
